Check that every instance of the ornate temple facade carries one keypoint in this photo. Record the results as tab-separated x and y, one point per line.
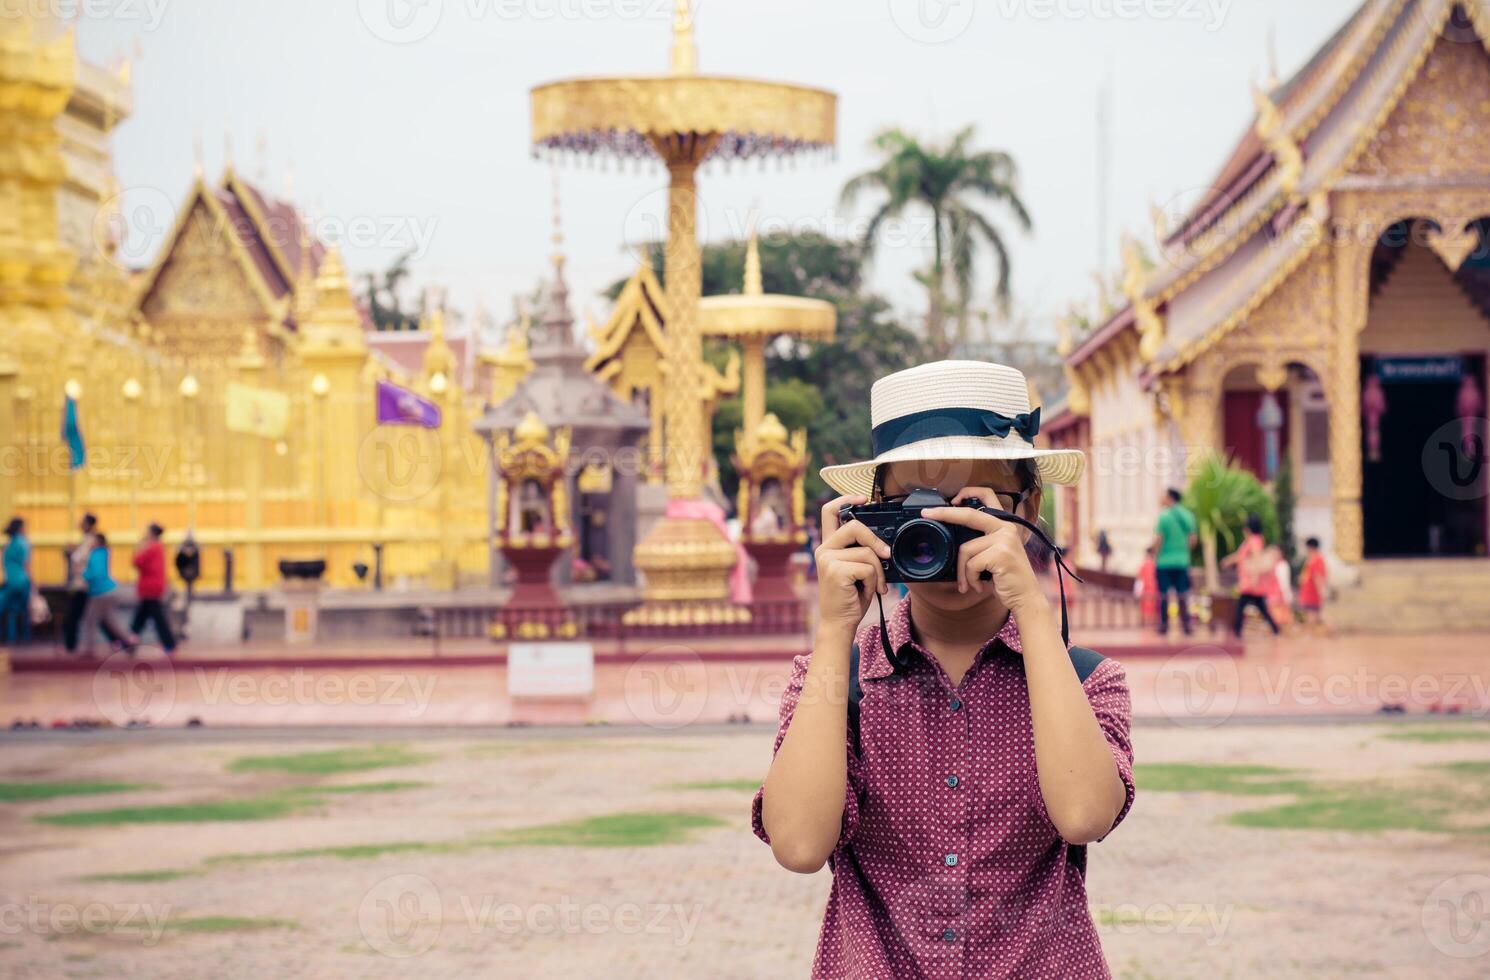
1326	302
228	389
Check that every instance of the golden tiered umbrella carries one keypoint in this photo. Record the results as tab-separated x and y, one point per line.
684	119
753	319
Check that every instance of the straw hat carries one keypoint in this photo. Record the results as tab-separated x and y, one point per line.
954	410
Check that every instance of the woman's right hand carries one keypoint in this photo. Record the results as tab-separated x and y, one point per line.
849	572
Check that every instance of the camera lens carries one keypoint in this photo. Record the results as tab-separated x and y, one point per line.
922	550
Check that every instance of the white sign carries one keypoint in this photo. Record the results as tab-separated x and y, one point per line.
550	670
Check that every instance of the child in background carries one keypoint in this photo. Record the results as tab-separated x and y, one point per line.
1279	586
1146	588
1313	583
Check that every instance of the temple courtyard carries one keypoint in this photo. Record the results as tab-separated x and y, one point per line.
1277	848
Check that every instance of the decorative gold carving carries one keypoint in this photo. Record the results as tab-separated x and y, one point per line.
763	455
1440	127
660	106
1146	317
528	457
1273	131
1454	246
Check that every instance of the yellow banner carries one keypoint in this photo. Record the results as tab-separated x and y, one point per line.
257	411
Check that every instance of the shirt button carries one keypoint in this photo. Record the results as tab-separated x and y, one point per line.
949	935
956	704
952	781
951	860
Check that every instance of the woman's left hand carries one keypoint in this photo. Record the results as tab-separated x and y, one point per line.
999	551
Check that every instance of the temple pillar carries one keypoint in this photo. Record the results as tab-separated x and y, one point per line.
12	462
1352	299
249	369
754	349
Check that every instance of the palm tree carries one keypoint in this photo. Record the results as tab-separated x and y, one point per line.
950	181
1222	495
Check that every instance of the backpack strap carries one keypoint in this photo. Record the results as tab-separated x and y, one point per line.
855	695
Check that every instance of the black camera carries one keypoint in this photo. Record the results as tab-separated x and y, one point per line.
921	550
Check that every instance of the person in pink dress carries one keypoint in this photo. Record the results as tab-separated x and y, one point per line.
1253	570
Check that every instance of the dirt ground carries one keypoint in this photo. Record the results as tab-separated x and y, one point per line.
1178	890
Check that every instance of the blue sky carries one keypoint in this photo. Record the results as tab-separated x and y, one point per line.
405	122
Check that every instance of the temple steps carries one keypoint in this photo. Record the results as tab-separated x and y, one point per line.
1416	595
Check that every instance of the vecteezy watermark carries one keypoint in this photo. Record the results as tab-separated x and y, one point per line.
405	915
1199	688
147	14
1203	919
932	21
666	687
144	466
401	916
129	690
144	689
408	21
403	463
1454	459
940	21
37	916
1456	916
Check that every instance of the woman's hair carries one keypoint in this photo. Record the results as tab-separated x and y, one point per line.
14	527
1254	523
100	541
156	530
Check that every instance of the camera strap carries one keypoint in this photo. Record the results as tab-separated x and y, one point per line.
1061	570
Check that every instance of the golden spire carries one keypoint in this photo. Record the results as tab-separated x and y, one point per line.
753	286
334	321
305	280
684	52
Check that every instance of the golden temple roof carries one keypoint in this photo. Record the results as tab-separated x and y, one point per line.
752	313
1273	197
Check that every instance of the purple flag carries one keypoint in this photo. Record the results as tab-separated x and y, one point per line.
399	406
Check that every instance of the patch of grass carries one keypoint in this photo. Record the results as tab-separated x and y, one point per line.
1233	780
1366	810
252	808
1474	767
229	923
268	807
346	852
140	877
391	786
330	761
612	830
26	792
1441	733
738	785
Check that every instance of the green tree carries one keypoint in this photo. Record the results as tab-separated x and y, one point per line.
949	181
1284	501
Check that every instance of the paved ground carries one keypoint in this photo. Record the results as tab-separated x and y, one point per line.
472	863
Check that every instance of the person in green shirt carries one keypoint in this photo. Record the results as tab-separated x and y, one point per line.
1174	537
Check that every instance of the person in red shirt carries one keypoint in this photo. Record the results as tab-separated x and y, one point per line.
1313	583
150	589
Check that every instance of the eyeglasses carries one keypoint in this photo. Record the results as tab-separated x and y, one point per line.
1008	501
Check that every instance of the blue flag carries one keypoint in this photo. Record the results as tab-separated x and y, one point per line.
72	433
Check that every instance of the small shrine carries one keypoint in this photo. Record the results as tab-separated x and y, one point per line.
771	465
600	481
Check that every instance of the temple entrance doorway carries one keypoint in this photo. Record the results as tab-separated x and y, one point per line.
1415	452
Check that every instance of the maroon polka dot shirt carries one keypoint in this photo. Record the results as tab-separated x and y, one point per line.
948	864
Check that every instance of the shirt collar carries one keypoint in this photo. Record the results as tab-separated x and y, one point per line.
898	622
